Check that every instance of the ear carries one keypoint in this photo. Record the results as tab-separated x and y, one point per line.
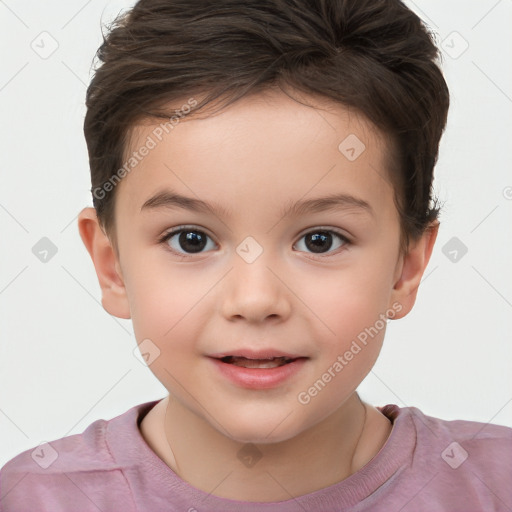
410	270
114	297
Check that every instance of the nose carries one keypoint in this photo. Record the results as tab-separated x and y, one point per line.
256	291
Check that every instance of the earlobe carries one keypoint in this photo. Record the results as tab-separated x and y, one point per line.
413	266
114	297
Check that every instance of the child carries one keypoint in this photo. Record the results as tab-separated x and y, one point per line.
228	142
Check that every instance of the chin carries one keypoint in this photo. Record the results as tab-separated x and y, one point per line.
256	437
262	429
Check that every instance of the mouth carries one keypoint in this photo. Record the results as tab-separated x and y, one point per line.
258	371
245	362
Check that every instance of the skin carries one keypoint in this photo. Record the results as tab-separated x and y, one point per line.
253	158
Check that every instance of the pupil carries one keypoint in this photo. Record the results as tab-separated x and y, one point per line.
318	241
192	241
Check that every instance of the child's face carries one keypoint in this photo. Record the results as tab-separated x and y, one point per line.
254	160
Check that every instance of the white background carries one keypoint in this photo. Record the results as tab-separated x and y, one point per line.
65	362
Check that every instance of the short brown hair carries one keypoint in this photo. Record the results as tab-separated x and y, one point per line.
375	56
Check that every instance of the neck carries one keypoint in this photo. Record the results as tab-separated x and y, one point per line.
316	458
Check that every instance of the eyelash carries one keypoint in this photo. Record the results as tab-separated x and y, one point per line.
167	236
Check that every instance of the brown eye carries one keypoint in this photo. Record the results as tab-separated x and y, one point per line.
186	241
322	241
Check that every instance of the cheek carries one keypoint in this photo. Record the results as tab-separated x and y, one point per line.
167	311
161	302
349	301
349	346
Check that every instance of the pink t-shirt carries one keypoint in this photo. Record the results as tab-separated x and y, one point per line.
427	464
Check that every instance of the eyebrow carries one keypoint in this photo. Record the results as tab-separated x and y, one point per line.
169	199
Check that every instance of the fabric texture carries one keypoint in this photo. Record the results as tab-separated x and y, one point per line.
427	464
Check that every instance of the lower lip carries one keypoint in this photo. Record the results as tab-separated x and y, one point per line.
259	378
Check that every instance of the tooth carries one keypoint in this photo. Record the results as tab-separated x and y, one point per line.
257	363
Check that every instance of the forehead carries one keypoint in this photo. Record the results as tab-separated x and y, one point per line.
264	149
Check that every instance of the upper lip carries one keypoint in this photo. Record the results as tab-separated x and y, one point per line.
255	354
